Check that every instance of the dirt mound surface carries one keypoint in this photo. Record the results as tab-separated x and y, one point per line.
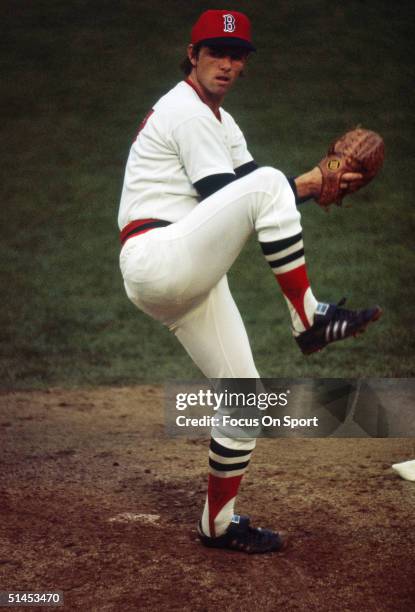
97	501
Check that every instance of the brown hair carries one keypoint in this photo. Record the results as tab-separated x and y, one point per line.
186	65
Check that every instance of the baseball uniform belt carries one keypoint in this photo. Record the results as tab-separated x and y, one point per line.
139	227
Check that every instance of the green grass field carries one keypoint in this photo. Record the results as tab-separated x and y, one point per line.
77	79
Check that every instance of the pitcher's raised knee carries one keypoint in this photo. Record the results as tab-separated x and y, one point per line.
270	179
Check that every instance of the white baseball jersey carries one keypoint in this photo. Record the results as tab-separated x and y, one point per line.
180	143
177	273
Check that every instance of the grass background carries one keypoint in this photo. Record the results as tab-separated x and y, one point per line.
77	78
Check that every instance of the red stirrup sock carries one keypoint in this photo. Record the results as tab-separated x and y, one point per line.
227	464
286	258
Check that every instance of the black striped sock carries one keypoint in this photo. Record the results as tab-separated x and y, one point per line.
284	255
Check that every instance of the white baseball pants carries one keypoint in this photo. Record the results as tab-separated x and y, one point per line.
177	274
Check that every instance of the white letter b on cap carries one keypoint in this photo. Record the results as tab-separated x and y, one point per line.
229	23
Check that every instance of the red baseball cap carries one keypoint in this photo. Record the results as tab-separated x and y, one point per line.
223	27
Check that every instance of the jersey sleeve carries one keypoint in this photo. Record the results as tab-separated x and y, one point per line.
239	148
201	148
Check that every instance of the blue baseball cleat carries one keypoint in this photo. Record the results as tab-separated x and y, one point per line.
333	323
244	538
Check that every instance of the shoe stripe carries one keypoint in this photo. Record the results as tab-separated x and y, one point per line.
335	331
328	330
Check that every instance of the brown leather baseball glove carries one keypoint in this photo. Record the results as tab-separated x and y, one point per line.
359	151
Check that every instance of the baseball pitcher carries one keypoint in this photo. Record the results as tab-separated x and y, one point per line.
192	196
